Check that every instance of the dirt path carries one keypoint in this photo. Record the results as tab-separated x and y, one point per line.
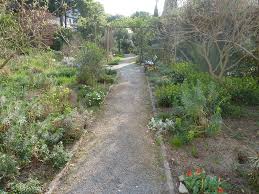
121	157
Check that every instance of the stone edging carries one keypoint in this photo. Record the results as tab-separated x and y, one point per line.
169	178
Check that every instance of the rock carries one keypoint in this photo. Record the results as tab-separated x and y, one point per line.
181	178
182	188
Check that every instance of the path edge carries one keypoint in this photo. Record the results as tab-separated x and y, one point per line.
56	181
169	178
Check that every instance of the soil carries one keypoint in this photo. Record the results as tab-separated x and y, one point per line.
225	155
122	156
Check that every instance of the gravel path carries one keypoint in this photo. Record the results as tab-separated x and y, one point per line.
121	157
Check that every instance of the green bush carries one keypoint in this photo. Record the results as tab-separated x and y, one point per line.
167	95
108	79
61	38
201	108
110	72
115	61
90	60
59	157
32	186
91	96
243	90
8	166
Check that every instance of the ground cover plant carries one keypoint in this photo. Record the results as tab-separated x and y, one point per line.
43	111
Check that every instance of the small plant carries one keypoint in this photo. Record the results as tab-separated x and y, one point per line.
59	157
199	182
160	125
32	186
194	152
167	95
176	141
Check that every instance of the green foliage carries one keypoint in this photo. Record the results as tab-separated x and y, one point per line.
61	37
243	90
92	20
108	79
199	182
90	59
193	100
176	141
59	157
8	166
37	112
194	152
167	95
254	169
12	37
91	97
115	61
32	186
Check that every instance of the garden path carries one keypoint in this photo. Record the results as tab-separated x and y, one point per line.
121	156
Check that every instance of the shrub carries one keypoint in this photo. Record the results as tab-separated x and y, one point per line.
110	72
59	157
90	96
203	109
61	38
115	61
90	60
108	79
8	166
75	123
167	95
243	90
32	186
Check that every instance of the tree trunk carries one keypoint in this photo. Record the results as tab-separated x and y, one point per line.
65	19
61	21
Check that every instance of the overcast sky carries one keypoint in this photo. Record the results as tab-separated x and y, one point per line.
128	7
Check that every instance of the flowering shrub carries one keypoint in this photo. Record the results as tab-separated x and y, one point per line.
198	182
90	96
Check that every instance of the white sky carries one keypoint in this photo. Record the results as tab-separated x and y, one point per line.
128	7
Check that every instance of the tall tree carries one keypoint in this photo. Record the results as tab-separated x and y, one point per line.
92	21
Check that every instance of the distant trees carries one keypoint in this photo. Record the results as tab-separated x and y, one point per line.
92	20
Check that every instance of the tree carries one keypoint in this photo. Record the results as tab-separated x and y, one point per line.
60	9
218	33
92	21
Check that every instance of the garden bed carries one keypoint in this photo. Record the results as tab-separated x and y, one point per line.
44	111
224	155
